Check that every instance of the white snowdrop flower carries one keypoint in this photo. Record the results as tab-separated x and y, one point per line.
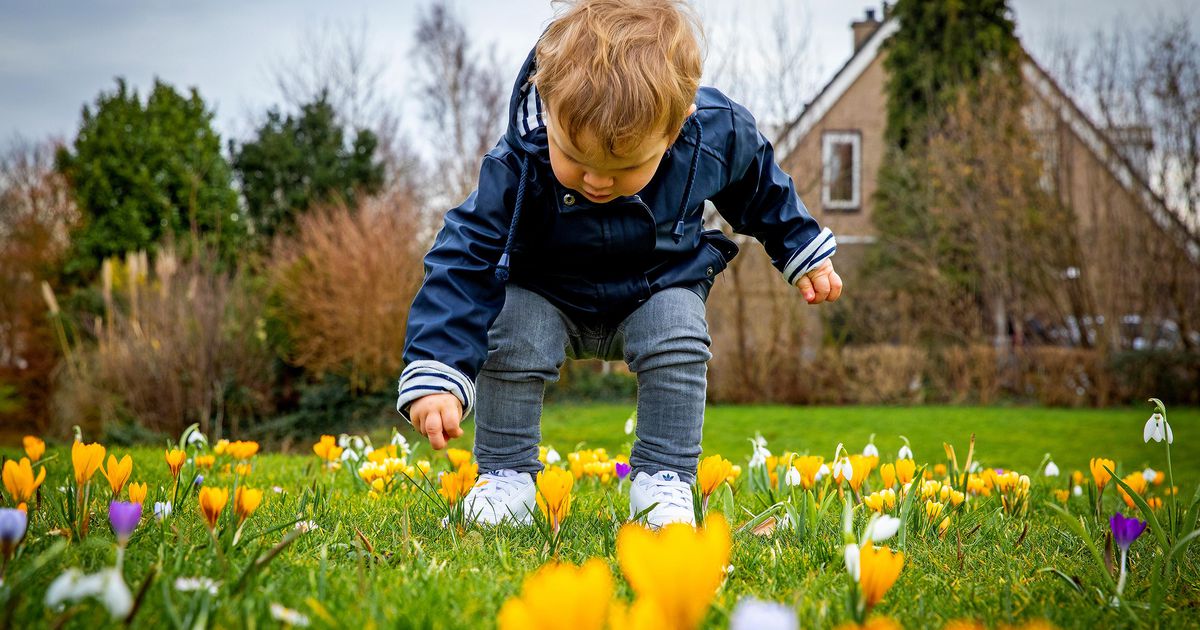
881	528
552	456
291	617
357	443
793	476
629	425
349	456
870	450
189	584
1077	491
1157	429
162	509
975	467
821	472
1149	475
343	441
196	437
401	444
368	450
842	467
754	614
1051	469
852	560
905	453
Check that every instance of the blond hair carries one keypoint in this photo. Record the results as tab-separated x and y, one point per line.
620	69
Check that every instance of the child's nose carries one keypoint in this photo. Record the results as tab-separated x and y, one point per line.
597	182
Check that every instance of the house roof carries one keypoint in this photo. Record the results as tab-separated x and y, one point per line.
1099	143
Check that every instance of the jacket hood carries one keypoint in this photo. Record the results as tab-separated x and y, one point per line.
526	126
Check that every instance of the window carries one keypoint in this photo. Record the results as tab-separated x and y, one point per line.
841	157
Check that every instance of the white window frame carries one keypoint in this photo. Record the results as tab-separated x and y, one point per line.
828	140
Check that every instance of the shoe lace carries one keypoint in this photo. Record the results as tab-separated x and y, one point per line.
496	485
671	494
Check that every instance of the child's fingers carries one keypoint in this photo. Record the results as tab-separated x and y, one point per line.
451	423
806	288
835	286
433	430
821	288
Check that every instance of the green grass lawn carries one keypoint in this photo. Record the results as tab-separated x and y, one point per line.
390	562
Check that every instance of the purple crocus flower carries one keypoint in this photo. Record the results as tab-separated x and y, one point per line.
1125	530
622	469
12	529
124	519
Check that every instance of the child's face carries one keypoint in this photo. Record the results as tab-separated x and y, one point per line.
597	174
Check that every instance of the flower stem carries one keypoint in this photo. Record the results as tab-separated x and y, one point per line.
1174	510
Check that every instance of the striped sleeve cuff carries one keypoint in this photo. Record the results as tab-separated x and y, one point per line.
421	378
807	259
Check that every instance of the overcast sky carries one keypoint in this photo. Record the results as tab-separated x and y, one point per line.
55	56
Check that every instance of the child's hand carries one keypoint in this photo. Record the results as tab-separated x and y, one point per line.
821	284
437	417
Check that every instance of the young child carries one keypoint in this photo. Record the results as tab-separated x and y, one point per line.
585	239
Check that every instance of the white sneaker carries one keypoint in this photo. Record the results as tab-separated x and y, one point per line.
672	496
502	495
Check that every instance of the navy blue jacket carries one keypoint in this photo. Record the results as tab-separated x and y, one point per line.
596	260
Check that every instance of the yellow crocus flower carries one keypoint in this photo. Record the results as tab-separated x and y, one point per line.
137	492
905	469
245	502
1102	476
175	459
117	473
679	568
327	449
87	460
712	472
554	494
458	457
456	484
19	479
561	596
808	466
34	447
878	570
887	474
212	502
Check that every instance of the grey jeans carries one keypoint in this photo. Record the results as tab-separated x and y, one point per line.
665	342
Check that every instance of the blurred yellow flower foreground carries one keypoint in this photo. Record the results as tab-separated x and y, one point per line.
675	573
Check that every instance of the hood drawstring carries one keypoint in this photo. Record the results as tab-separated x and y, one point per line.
677	232
502	266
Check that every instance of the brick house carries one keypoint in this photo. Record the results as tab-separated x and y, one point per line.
763	333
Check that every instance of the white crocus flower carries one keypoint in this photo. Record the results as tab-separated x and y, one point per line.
793	476
1149	475
870	450
1051	469
881	528
291	617
629	424
1157	429
754	614
1077	491
852	560
162	509
106	585
189	584
905	453
552	456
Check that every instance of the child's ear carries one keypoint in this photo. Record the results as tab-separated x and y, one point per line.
691	110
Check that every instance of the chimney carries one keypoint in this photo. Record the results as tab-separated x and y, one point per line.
863	29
